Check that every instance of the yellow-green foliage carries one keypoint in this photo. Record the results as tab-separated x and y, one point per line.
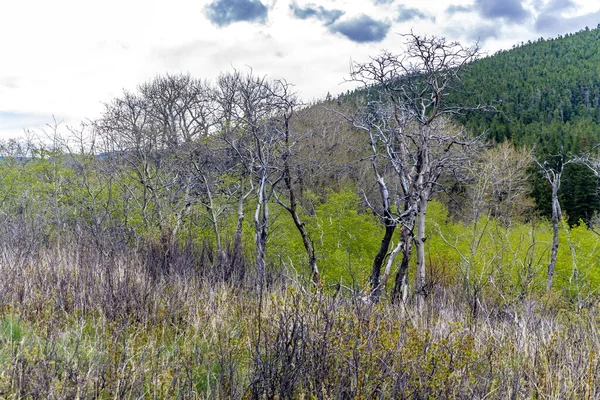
486	254
580	270
513	258
345	239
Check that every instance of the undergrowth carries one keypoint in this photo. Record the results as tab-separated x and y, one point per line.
79	322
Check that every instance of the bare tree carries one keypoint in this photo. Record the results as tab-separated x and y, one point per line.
552	172
407	122
288	102
252	109
498	183
376	122
180	108
256	122
147	139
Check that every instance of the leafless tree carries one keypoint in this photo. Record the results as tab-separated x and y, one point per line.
251	107
498	183
148	140
289	137
407	118
180	108
552	172
256	122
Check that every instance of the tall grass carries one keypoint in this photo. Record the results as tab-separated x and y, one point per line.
82	321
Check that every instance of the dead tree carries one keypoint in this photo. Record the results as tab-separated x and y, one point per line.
288	103
148	137
409	128
381	128
498	184
552	172
251	108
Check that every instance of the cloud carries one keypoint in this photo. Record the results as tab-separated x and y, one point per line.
9	82
550	20
362	29
408	14
558	5
378	2
320	13
482	33
553	23
226	12
453	9
478	32
509	10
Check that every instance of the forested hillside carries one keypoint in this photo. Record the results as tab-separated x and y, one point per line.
537	87
225	240
547	94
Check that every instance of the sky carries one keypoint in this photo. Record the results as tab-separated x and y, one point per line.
63	59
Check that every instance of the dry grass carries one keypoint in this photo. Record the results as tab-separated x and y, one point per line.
79	322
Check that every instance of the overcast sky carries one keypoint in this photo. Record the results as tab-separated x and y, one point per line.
64	58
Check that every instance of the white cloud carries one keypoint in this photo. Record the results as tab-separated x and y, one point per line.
66	57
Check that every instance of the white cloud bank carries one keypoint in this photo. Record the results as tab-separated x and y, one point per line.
66	57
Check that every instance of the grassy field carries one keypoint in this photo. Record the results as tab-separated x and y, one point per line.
78	322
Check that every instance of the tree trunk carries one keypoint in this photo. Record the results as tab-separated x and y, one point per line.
556	217
390	226
293	210
261	219
420	248
310	252
236	263
376	293
210	207
401	283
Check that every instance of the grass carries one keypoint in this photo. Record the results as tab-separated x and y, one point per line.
77	322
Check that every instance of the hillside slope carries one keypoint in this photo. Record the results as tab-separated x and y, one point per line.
547	93
547	96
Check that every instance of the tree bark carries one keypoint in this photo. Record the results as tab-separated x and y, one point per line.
554	178
556	217
401	282
420	248
390	226
261	219
293	208
310	252
386	273
222	258
237	262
